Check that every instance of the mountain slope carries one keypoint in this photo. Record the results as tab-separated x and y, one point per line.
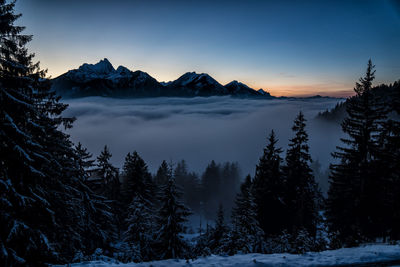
101	79
193	84
240	89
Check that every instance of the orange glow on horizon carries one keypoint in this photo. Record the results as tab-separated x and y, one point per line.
300	89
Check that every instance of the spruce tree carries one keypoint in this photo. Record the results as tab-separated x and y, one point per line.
302	195
97	215
268	189
389	166
230	180
219	233
109	174
136	178
171	218
41	183
161	177
189	183
84	161
139	234
354	202
211	185
244	218
29	120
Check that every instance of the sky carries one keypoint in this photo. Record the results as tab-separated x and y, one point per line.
291	48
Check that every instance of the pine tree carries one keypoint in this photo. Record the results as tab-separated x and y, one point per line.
189	184
136	178
84	160
302	195
29	115
219	232
354	203
109	174
97	223
230	179
140	229
211	184
172	216
244	218
268	189
161	178
41	183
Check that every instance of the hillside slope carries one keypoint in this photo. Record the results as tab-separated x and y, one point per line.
369	255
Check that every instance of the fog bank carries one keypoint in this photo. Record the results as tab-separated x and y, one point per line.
197	129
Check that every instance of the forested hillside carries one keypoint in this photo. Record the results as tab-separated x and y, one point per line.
59	204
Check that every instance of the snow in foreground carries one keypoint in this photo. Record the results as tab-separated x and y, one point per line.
359	255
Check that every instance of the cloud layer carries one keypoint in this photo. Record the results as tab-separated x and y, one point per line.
196	129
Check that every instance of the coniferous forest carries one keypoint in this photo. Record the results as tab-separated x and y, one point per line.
60	204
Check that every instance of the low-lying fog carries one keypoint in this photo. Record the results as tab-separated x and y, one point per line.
197	129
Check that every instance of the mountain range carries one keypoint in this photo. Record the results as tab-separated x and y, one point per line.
101	79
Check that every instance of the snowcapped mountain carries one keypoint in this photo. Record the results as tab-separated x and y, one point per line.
192	83
101	79
241	89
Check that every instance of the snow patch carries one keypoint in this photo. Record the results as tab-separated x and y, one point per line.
345	256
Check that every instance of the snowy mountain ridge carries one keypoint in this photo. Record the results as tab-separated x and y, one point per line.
101	79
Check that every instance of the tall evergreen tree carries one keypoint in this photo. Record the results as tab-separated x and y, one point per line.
140	228
136	178
41	184
211	185
84	160
219	233
27	111
109	174
97	223
172	216
189	183
244	218
230	180
389	167
268	189
302	195
161	177
354	203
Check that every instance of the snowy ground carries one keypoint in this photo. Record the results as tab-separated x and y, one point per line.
341	257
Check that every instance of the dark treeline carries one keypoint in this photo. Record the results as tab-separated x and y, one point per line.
58	205
387	93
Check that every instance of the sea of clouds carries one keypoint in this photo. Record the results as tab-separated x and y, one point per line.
197	129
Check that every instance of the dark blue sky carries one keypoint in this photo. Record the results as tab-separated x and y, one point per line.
286	47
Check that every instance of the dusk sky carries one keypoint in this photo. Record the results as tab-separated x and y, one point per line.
285	47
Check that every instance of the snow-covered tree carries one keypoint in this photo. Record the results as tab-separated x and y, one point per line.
29	116
219	233
245	223
139	235
172	216
41	184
